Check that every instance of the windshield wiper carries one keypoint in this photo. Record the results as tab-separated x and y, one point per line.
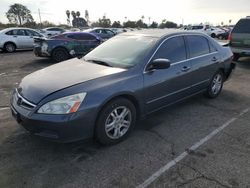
99	62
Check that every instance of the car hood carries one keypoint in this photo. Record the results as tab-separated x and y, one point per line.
39	84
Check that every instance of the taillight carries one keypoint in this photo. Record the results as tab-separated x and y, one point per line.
230	37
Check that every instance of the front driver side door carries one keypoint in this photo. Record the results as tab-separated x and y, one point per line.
163	87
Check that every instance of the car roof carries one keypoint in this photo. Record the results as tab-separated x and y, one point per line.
160	33
80	32
11	28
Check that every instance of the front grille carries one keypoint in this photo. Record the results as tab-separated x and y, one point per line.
23	102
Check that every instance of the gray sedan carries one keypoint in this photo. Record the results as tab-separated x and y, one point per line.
125	78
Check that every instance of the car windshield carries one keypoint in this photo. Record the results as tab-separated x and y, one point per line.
122	51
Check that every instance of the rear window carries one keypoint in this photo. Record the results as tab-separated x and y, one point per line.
243	26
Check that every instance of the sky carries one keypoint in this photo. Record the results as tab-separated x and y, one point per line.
179	11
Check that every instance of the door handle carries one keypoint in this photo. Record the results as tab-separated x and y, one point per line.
214	59
15	36
185	69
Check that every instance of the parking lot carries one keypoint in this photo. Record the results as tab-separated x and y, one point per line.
158	142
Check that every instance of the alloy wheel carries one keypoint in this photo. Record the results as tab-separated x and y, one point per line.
118	122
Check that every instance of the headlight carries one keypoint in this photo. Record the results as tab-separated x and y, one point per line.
65	105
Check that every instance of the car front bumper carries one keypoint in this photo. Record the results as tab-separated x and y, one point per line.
39	52
59	128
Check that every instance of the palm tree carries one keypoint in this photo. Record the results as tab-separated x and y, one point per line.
68	16
78	14
87	16
142	18
73	14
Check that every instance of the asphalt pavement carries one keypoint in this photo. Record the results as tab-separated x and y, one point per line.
221	161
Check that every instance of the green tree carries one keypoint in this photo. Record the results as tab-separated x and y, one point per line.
167	24
154	25
116	24
104	22
141	24
19	14
131	24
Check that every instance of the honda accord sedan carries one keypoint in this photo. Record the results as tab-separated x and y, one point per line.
125	78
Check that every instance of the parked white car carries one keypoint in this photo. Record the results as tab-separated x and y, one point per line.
211	31
214	31
52	31
17	38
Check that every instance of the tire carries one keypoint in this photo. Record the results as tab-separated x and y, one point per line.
9	47
60	54
236	57
111	126
213	35
216	85
220	37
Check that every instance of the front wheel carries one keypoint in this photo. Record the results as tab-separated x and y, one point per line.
115	121
215	85
60	54
9	47
213	35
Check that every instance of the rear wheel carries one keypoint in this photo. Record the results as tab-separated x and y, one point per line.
213	35
236	57
60	54
9	47
215	85
115	121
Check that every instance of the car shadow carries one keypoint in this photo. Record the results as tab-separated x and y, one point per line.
244	62
17	51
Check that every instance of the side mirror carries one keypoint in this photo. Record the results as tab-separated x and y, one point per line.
158	64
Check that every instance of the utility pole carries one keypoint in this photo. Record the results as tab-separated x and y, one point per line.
40	17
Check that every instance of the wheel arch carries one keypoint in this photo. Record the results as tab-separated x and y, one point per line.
11	43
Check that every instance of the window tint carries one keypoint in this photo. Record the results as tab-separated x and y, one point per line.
82	37
19	32
198	45
103	31
212	47
173	49
54	29
98	31
110	32
197	27
32	33
243	26
9	32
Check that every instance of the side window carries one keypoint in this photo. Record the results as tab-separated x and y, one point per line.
9	32
172	49
212	47
110	32
198	46
32	33
98	31
103	31
86	37
19	32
